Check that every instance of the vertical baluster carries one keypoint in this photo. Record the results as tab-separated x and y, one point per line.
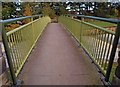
108	51
97	44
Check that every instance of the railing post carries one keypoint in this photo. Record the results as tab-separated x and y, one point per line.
31	19
81	30
40	16
33	29
82	19
117	71
112	55
116	78
7	51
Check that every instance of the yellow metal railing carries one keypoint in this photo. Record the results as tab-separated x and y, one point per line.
97	41
22	39
20	42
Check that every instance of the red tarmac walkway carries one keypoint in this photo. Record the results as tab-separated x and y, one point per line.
57	60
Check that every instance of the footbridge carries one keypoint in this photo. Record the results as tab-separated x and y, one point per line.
75	50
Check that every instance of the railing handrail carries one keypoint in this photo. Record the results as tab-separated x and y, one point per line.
96	26
17	19
111	20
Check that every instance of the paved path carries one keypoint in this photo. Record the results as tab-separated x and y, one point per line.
56	60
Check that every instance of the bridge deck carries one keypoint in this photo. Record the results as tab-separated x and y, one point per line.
57	60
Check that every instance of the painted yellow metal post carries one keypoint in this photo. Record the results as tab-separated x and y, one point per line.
7	50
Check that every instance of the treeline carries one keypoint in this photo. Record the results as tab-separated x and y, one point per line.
101	9
53	9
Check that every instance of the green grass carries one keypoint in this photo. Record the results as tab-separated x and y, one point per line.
102	23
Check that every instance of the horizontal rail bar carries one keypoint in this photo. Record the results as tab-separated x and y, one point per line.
21	27
96	26
99	18
17	19
101	28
